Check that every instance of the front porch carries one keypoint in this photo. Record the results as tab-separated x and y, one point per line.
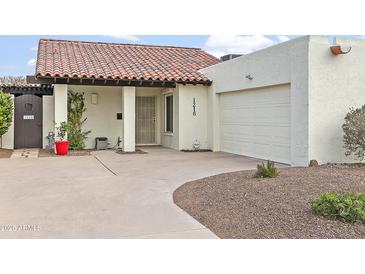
128	116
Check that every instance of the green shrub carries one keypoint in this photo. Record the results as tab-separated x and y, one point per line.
354	132
76	120
349	207
266	171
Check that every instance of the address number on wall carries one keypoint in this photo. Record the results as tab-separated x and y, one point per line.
28	117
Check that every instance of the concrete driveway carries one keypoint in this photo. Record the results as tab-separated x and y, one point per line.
106	195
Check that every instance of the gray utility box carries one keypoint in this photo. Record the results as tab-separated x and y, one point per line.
101	143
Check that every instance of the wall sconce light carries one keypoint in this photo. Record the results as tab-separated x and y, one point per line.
249	77
337	49
94	98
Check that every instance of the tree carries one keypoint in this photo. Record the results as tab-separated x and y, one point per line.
12	80
354	133
6	114
75	120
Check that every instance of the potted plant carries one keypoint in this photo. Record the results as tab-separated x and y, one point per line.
61	142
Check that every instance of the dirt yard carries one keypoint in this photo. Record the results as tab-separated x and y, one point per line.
236	205
49	153
5	153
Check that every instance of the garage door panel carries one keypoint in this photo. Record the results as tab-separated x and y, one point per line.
264	133
266	116
256	123
281	150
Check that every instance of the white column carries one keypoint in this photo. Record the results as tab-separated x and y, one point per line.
213	119
129	113
60	104
48	117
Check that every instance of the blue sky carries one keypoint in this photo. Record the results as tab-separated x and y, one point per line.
18	53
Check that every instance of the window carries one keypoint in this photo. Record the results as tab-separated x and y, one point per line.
28	107
169	113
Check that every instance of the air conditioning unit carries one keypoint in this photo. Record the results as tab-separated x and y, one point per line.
101	143
229	57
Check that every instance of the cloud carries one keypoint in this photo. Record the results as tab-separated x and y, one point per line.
31	62
240	44
282	38
236	43
35	48
132	38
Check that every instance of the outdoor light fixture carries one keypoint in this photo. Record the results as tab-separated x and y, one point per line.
249	77
94	98
337	49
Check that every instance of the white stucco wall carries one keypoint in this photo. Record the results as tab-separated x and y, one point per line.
48	117
299	102
8	137
336	83
192	127
285	63
102	117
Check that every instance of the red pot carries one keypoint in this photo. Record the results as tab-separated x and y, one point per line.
62	147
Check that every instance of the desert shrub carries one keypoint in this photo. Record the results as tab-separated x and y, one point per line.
266	171
345	206
76	109
6	114
354	133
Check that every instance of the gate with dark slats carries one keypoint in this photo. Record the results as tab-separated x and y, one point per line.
28	121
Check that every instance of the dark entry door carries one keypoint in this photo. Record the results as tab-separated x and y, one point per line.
28	121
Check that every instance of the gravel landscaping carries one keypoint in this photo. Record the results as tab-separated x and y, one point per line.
236	205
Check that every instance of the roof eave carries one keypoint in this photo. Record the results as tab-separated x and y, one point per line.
112	82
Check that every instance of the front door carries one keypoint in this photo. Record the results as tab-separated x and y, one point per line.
28	121
145	120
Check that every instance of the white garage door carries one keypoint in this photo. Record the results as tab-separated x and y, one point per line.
256	123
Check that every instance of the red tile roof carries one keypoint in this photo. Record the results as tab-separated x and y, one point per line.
76	59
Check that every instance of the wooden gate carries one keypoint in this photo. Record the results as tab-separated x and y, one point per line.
28	121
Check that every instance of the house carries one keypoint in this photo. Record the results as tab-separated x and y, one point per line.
285	103
138	94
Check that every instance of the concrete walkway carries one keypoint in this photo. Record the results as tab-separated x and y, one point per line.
106	195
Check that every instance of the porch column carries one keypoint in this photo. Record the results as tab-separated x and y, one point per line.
60	104
129	103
